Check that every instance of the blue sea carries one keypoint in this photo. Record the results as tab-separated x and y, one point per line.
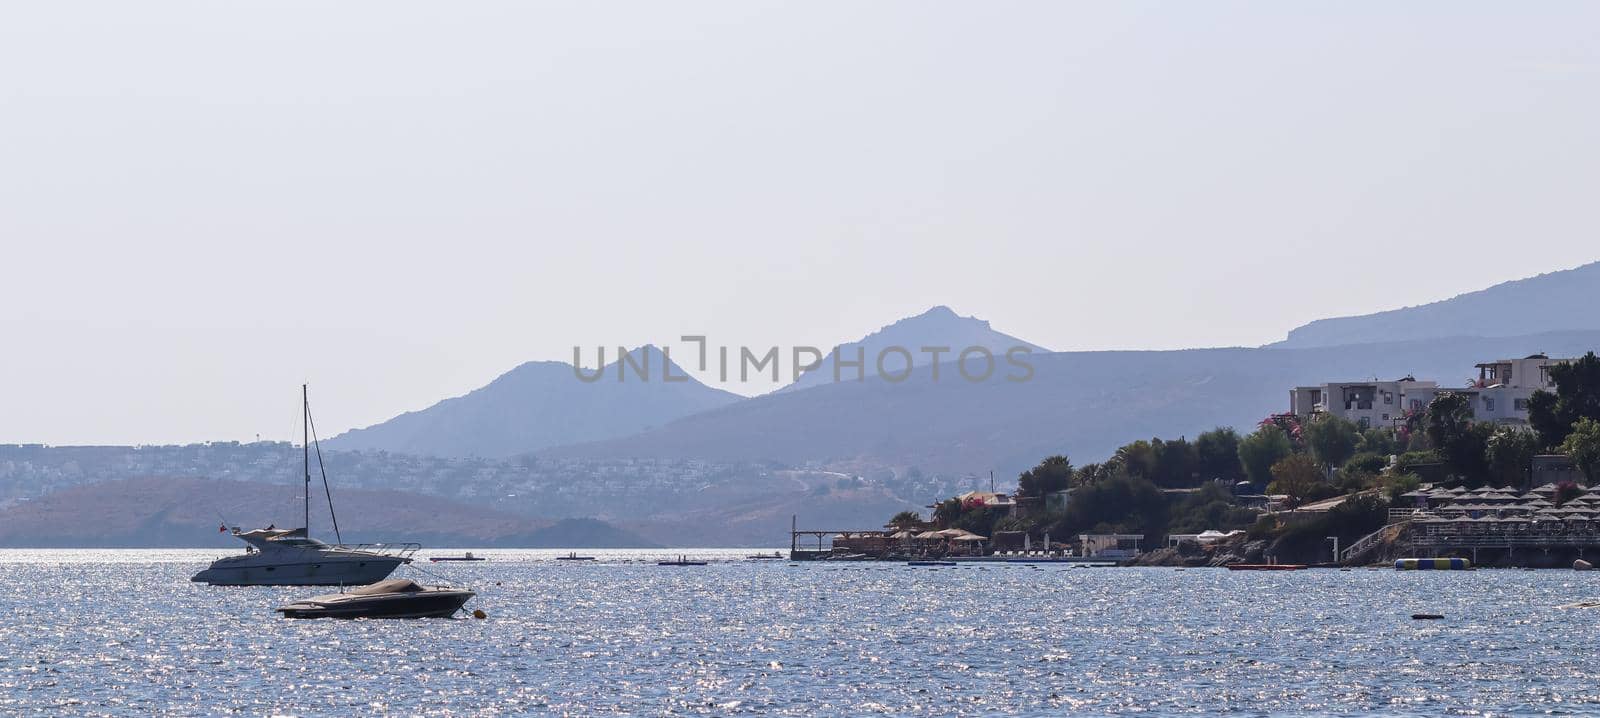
124	633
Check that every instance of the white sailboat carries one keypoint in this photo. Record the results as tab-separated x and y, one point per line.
290	557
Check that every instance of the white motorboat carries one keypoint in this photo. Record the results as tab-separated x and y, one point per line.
290	557
287	557
395	598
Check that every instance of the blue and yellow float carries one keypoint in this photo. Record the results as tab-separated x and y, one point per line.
1432	564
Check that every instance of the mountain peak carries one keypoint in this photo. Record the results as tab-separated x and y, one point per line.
546	403
939	326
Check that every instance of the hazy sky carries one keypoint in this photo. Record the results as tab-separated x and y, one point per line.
203	204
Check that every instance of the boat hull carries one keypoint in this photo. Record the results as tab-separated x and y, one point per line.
341	572
433	604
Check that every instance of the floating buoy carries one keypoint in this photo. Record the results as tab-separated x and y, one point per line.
1432	564
1582	565
1426	616
478	613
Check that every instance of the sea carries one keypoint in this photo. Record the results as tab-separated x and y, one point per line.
124	633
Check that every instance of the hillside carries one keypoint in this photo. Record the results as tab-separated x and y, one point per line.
539	405
1556	301
937	327
1083	403
186	512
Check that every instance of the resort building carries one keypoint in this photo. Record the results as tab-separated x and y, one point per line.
1500	394
1368	403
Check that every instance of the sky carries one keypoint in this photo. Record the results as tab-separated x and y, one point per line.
203	205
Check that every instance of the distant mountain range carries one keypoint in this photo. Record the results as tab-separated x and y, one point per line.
689	464
183	512
939	327
1085	404
543	404
1557	301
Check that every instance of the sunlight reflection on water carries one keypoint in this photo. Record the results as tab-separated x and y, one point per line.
125	633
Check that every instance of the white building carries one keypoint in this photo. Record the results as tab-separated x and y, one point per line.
1367	403
1500	394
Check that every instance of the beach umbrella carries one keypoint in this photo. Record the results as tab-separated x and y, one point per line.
969	537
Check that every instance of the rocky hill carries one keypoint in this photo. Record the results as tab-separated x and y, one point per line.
539	405
1556	301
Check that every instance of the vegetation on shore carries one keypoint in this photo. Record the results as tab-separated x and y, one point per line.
1157	487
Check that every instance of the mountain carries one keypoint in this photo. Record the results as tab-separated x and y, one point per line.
1556	301
1082	403
543	404
937	327
184	512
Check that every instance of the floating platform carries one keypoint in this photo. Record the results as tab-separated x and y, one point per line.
1432	564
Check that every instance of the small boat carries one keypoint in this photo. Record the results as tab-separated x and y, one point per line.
467	557
682	561
764	556
574	557
394	598
1266	566
930	563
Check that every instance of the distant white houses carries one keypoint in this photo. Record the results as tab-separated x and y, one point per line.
1500	394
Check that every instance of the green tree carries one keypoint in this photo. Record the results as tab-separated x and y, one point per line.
1379	440
1509	454
1259	451
1052	474
1577	396
1122	504
1176	465
1460	442
1217	453
1138	458
905	520
1332	440
1582	445
1296	477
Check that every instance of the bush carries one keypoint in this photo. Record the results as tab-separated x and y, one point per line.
1368	462
1398	484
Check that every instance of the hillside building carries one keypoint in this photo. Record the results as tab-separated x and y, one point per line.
1500	394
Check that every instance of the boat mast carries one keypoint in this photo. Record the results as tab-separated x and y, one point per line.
305	452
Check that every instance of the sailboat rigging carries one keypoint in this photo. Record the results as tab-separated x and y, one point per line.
290	557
